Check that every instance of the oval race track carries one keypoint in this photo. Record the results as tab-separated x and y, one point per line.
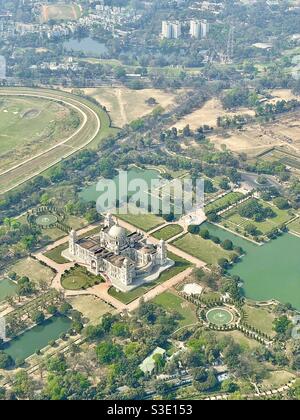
87	132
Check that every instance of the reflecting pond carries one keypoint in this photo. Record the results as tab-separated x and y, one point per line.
38	337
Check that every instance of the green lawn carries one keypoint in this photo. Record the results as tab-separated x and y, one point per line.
29	126
145	222
226	201
126	298
205	250
171	302
168	232
261	319
55	254
79	278
295	226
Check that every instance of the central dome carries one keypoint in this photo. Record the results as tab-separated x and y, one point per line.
117	232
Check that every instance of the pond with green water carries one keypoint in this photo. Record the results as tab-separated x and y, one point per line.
91	194
271	271
37	338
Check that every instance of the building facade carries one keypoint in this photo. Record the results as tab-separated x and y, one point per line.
199	29
171	29
126	260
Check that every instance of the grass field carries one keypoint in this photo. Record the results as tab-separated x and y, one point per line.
240	338
171	302
60	11
295	226
180	266
205	250
145	222
32	269
94	127
168	232
91	307
29	126
55	254
277	379
261	319
79	278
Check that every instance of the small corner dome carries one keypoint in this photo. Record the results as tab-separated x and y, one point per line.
117	232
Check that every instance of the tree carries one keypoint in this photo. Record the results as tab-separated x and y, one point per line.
38	317
6	361
282	325
204	233
227	245
22	386
281	203
108	352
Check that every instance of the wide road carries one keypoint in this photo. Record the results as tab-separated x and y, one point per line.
87	132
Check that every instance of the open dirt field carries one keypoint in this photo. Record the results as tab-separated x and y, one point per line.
126	105
60	11
208	114
283	94
255	139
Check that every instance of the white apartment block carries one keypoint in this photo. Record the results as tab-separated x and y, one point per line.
199	28
171	29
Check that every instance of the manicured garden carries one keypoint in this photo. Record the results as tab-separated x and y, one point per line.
78	278
236	222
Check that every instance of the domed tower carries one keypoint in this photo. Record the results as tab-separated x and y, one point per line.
162	253
108	221
72	242
127	277
117	239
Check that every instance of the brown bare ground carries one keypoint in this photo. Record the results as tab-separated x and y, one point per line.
208	114
254	139
126	105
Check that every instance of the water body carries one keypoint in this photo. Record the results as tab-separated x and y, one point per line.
37	338
7	288
271	271
91	194
87	46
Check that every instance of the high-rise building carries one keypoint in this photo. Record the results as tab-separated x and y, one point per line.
167	29
199	28
171	29
204	28
195	29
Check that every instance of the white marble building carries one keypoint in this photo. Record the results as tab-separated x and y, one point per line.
125	260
